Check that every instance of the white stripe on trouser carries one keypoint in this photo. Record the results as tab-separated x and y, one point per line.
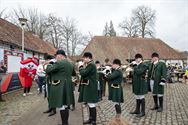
151	86
63	107
91	105
139	96
116	103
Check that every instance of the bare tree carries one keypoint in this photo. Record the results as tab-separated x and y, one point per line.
3	14
53	33
37	22
129	27
68	27
62	33
145	18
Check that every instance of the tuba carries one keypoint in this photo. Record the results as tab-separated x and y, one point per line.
106	70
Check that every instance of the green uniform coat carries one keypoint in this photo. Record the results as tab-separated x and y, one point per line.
158	73
116	78
140	86
61	93
89	92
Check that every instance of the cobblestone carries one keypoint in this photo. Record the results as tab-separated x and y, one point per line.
175	108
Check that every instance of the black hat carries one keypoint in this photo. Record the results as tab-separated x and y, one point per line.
117	61
138	55
97	62
88	55
49	57
60	52
155	55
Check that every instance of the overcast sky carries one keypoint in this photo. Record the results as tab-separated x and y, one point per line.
91	15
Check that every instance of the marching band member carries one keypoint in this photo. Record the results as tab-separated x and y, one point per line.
115	86
157	77
61	92
100	78
88	87
139	85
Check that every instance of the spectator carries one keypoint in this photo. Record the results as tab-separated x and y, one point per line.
41	76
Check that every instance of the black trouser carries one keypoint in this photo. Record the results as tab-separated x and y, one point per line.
27	89
41	82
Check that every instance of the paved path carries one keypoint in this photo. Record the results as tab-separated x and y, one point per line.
20	110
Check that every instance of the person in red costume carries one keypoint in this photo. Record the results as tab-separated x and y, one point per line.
28	72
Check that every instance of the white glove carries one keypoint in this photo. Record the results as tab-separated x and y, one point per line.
80	64
162	83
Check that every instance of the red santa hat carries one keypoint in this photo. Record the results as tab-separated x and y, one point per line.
26	61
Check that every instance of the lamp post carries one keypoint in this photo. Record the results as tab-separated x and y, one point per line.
22	22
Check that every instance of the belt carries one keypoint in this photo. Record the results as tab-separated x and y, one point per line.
116	86
56	82
84	83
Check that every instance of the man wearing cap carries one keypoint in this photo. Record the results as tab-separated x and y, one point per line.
157	77
139	85
60	92
88	87
115	86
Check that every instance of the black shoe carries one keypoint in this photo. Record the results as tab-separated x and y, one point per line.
93	116
156	106
87	122
118	109
137	110
53	112
64	116
48	111
73	107
2	100
142	113
160	109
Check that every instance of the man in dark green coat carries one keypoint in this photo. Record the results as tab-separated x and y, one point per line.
51	109
157	77
61	94
88	86
139	85
115	86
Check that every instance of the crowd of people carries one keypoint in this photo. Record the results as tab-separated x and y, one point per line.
177	71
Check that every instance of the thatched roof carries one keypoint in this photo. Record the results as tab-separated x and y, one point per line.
74	58
12	35
125	48
185	54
